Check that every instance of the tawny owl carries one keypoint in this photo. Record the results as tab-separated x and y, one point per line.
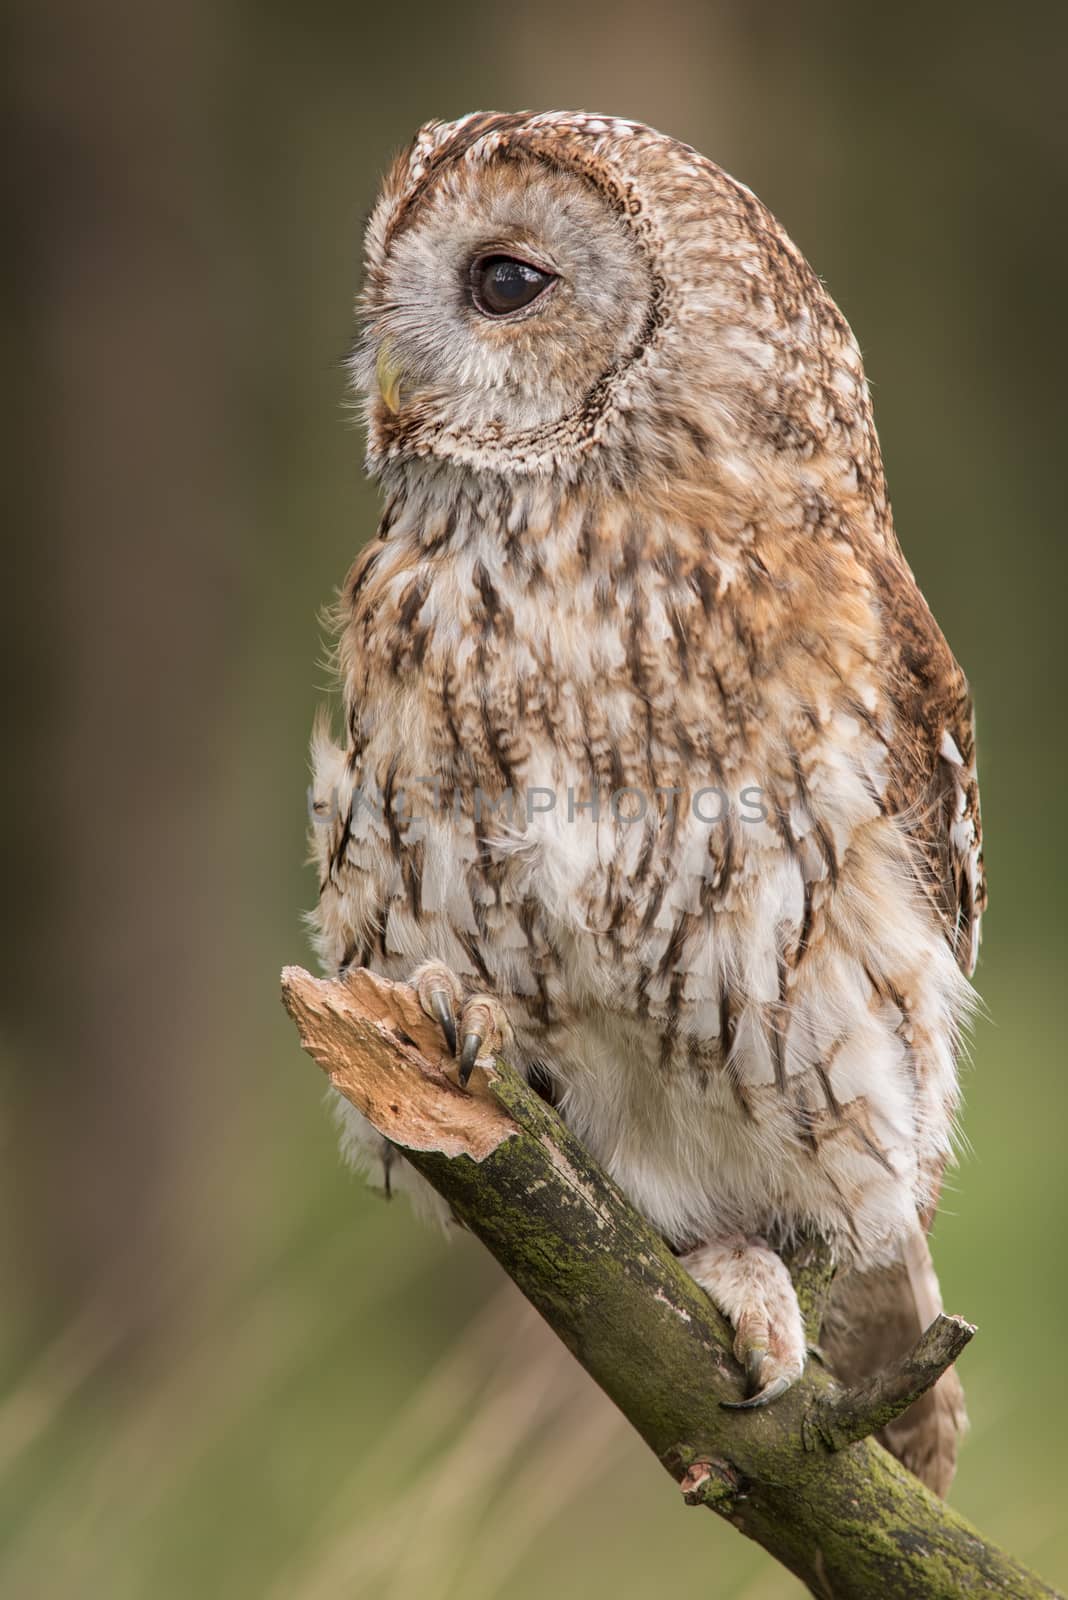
659	775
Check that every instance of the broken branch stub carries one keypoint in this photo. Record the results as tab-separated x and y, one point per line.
378	1048
850	1522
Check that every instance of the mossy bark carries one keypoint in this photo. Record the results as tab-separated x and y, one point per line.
851	1523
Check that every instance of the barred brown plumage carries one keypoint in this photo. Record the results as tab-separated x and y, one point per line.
637	551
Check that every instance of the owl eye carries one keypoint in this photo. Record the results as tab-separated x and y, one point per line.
501	284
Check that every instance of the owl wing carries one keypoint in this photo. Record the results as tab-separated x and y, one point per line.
876	1317
932	781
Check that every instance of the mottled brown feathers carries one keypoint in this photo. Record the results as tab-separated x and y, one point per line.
651	734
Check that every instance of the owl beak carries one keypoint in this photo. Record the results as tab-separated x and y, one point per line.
389	373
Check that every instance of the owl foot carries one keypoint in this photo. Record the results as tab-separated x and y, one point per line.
482	1028
751	1286
441	995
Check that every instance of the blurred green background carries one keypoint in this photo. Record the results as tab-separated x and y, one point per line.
226	1368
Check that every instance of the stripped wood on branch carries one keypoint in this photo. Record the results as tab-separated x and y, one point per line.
802	1477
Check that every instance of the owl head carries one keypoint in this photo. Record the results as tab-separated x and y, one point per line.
571	294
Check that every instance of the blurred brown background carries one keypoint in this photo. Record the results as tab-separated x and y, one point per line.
225	1367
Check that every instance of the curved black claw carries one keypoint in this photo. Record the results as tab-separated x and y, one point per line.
442	1004
754	1361
469	1055
771	1392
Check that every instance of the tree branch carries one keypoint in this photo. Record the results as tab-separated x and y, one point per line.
841	1419
801	1477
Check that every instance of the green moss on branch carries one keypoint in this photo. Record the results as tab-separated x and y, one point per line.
850	1522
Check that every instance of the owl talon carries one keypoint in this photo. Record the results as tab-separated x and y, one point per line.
443	1011
440	996
475	1027
485	1031
751	1286
468	1056
771	1391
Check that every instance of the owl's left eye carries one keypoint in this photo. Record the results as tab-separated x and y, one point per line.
503	284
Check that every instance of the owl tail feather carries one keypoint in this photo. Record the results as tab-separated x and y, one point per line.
876	1317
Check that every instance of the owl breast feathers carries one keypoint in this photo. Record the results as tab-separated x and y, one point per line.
651	737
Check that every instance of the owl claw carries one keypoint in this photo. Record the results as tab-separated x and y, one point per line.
485	1030
751	1286
481	1022
442	1005
468	1056
440	996
760	1394
771	1391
